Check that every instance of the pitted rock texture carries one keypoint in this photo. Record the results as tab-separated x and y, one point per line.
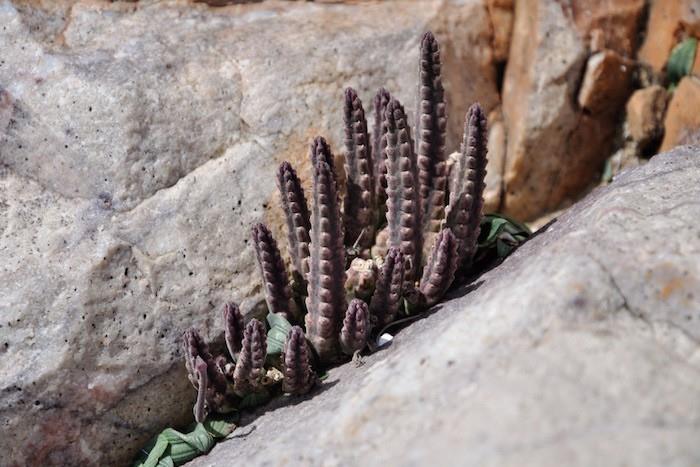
582	348
138	144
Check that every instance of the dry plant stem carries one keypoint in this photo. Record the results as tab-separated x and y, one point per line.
439	272
278	294
464	211
326	289
296	213
431	123
200	408
233	328
250	364
355	331
381	100
298	377
387	293
359	207
403	208
194	347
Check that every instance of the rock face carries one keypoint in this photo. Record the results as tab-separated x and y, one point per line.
580	349
645	113
555	148
682	123
138	143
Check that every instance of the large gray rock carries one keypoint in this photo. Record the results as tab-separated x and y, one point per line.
138	143
581	349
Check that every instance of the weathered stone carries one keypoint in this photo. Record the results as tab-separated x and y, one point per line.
606	82
139	142
501	14
493	194
617	22
668	23
554	148
682	123
645	113
581	349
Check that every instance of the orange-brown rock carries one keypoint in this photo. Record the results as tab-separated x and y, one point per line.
606	82
682	123
493	194
645	113
619	21
555	148
501	13
669	22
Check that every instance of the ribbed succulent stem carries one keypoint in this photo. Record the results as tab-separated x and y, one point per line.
326	289
278	294
296	213
403	204
200	407
464	211
387	293
355	331
431	124
251	360
298	377
193	346
320	150
359	207
216	387
233	328
381	100
439	271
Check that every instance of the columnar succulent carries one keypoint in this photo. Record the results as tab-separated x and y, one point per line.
392	201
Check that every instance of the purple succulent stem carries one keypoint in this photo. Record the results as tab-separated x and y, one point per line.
355	331
464	211
403	214
439	271
326	282
296	212
431	124
359	206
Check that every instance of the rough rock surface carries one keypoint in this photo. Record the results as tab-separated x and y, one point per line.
555	148
138	144
645	113
582	348
682	122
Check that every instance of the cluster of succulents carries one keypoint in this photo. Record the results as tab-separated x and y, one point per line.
383	237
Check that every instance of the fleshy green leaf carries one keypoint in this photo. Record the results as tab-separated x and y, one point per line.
277	335
220	427
254	399
155	449
681	60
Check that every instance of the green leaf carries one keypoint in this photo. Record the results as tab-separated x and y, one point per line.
277	335
166	462
254	399
220	427
681	60
155	450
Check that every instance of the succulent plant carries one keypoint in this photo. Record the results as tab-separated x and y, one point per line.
298	376
355	330
377	235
